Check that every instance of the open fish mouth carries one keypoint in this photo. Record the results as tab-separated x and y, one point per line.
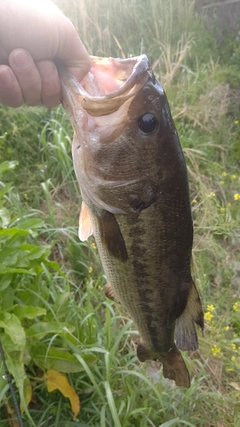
110	85
99	109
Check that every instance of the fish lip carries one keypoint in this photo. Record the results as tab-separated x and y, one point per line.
94	111
137	77
140	66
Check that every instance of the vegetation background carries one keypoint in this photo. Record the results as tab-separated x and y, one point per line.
57	329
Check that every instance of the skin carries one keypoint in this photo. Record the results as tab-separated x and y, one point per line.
32	35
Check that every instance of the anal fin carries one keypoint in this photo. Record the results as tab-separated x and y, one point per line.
185	331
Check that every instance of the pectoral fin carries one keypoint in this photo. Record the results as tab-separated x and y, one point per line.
85	224
111	236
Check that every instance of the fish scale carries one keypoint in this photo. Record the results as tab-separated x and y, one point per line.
134	185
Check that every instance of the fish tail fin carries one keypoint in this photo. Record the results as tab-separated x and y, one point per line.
174	366
186	335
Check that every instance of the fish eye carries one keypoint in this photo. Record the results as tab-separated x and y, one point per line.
147	123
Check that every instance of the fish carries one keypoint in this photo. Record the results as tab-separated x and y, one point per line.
135	201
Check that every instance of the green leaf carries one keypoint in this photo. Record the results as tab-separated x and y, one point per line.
6	299
55	266
10	232
58	359
10	270
33	294
30	312
8	345
6	166
5	281
41	329
30	223
12	327
10	255
3	381
36	252
16	368
4	190
61	305
4	217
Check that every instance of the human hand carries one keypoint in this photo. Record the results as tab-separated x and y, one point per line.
32	35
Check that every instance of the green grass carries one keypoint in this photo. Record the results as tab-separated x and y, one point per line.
114	388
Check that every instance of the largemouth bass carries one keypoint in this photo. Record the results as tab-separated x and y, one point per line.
134	185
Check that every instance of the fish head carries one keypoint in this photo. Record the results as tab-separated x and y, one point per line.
125	141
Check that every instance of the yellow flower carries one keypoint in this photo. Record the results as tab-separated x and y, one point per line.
236	122
211	194
216	351
233	358
222	210
90	270
93	245
221	182
210	307
234	176
229	204
224	173
194	201
208	316
236	196
236	306
227	328
233	346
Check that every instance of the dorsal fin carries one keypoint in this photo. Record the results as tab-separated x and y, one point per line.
85	224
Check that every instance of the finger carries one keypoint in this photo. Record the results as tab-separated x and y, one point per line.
10	91
73	53
27	75
51	86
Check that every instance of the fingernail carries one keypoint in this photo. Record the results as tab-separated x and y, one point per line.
6	77
21	59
